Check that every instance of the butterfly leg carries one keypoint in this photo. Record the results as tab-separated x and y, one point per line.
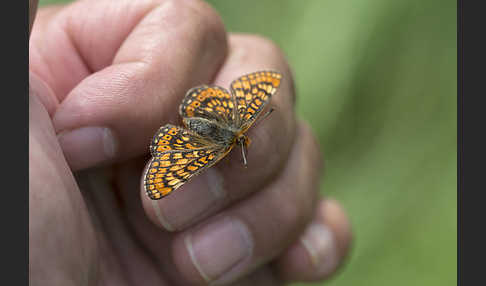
243	152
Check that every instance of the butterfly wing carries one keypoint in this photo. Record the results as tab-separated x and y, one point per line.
171	137
175	164
252	92
210	102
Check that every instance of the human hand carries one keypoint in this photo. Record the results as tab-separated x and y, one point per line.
105	75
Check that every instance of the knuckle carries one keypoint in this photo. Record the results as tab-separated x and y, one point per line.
302	192
205	18
298	207
296	213
196	15
290	213
266	45
312	146
191	32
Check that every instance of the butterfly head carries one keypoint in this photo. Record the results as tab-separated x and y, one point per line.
243	140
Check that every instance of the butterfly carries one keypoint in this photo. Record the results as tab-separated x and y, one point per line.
215	121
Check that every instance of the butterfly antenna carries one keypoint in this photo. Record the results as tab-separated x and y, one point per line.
243	147
265	115
268	113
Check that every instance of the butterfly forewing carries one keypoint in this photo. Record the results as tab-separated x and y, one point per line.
209	102
171	137
252	92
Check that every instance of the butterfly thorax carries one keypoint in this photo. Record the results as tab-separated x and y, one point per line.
212	131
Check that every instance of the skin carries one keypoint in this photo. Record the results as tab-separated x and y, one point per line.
124	66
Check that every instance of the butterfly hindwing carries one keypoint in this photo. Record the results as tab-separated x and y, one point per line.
178	154
168	171
252	92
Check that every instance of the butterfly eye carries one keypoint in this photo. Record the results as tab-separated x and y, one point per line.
164	142
167	137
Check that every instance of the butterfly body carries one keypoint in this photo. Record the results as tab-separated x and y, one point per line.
217	132
215	120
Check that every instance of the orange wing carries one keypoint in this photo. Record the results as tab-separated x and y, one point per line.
210	102
171	137
252	92
170	170
178	158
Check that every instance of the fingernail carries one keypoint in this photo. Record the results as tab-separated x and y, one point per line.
198	197
87	146
219	250
321	246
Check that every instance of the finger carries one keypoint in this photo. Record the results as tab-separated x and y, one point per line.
37	86
272	139
256	230
58	216
77	46
263	276
38	79
143	74
321	249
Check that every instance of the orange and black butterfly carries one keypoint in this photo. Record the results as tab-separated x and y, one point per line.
215	120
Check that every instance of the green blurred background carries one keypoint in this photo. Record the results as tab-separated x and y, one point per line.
376	80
